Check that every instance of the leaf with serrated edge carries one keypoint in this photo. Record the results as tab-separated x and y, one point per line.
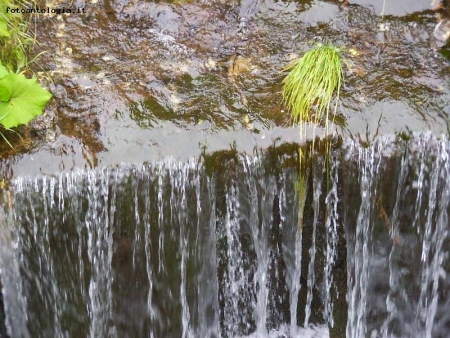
27	100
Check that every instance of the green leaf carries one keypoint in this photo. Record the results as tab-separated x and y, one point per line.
3	71
26	100
4	92
4	96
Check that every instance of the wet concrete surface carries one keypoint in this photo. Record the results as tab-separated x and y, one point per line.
395	8
135	81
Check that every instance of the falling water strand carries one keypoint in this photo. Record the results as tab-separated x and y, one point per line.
208	285
435	233
179	182
357	295
317	192
68	185
396	297
139	173
14	299
440	234
295	282
423	151
359	274
41	231
98	221
427	281
260	200
331	225
293	250
199	328
287	217
213	282
161	258
148	252
235	282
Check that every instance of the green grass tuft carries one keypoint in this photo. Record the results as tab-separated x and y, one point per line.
15	40
311	83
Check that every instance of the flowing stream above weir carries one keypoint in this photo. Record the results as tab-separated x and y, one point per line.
216	247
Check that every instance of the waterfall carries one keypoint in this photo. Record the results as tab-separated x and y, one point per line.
12	290
359	282
397	241
213	247
317	184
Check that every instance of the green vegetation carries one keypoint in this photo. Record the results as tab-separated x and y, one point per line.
21	99
14	38
308	91
311	83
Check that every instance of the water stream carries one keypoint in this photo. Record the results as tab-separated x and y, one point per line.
190	249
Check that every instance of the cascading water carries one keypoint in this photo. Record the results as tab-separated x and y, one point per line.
175	249
398	240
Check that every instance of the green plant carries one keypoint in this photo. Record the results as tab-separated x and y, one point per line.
308	90
15	41
21	99
311	83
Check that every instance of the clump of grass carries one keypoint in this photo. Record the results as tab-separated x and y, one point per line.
15	40
311	83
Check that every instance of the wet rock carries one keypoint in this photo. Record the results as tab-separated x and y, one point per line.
442	32
139	70
239	65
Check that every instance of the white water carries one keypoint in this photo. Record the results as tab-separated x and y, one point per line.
164	249
13	295
286	331
331	226
317	184
409	262
358	283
